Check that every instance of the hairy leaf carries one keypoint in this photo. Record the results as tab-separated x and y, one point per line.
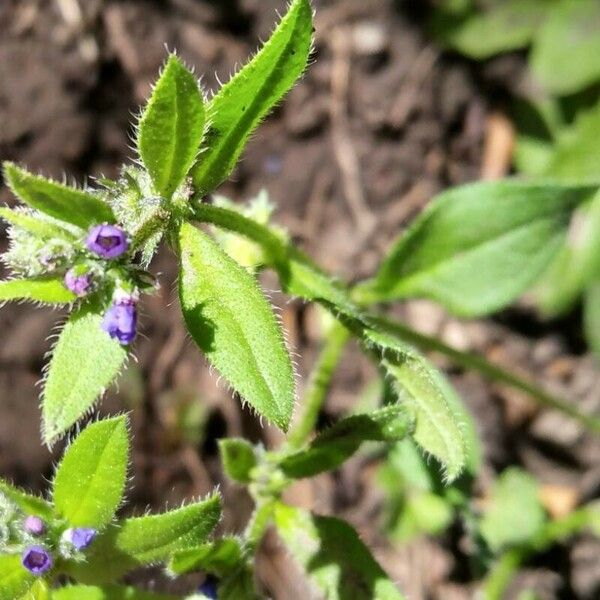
38	591
479	246
514	514
423	390
566	53
41	289
109	592
233	324
333	556
238	458
220	557
335	445
15	580
171	127
247	98
90	479
84	363
65	203
28	503
147	540
41	227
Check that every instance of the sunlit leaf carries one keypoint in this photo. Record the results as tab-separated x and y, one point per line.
90	479
85	361
233	324
65	203
248	97
171	127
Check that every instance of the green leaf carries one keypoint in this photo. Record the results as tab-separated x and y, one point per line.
28	503
507	25
424	391
90	479
577	263
147	540
219	557
38	591
566	53
41	289
110	592
15	580
333	556
84	363
38	225
238	458
478	247
591	317
335	445
233	324
248	97
515	514
576	155
65	203
171	127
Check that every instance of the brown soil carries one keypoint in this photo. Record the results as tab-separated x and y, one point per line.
381	122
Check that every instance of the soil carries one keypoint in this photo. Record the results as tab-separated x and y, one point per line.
382	121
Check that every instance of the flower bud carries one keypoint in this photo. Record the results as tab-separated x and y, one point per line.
79	537
77	282
34	525
37	560
120	322
107	241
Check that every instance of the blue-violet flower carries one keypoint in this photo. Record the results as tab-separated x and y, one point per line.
37	560
80	537
120	322
107	241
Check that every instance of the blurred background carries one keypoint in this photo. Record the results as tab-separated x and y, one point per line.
404	99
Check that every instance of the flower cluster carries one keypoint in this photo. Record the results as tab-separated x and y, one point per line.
39	542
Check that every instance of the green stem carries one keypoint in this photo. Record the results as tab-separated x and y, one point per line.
258	524
488	369
234	221
552	533
280	251
318	384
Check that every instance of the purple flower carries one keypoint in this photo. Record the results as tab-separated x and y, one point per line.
34	525
78	283
37	560
209	587
80	537
120	322
107	241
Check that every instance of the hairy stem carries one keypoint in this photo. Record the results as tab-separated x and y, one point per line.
279	250
258	524
488	369
318	384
